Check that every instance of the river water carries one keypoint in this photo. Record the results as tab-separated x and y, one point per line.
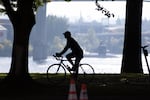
103	65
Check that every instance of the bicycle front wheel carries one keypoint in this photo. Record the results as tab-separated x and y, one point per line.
56	74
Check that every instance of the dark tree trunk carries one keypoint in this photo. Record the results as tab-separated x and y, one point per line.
22	20
131	62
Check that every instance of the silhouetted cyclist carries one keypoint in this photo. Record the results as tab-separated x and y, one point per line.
76	53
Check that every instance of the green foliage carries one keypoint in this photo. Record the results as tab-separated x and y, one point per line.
2	10
36	4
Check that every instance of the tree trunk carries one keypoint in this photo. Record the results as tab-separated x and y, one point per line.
131	62
22	20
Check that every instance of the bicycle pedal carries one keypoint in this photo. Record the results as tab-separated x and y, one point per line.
68	68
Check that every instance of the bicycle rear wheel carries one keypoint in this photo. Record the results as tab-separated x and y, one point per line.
86	72
56	74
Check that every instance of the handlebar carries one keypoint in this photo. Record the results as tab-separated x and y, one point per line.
61	58
58	58
145	51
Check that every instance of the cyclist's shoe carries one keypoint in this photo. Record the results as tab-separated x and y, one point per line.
73	69
58	54
68	68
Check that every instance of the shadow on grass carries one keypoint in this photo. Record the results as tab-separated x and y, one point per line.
99	86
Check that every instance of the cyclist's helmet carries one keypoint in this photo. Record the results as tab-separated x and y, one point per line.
67	34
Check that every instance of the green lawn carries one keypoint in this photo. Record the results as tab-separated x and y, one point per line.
99	87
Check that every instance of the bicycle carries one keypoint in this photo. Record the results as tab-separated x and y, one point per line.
58	72
145	52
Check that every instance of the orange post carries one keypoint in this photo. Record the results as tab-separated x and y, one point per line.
72	91
83	93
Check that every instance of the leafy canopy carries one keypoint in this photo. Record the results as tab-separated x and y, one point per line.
13	3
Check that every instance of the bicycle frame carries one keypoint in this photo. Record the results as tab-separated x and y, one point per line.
62	63
66	66
145	51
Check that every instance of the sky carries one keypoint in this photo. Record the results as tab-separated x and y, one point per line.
87	10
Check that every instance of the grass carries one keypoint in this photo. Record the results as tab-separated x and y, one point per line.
99	87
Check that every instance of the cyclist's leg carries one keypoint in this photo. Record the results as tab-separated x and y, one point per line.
77	61
69	56
76	66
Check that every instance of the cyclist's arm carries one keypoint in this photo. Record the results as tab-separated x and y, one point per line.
65	48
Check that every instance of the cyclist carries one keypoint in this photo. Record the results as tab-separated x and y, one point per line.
76	53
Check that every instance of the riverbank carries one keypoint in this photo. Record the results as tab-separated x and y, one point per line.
99	87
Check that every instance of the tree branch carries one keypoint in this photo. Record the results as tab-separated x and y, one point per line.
9	10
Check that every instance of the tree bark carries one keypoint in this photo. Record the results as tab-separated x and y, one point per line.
22	20
131	62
